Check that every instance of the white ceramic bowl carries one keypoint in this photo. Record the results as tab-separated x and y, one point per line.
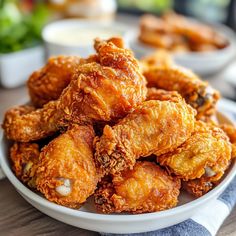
87	218
202	63
55	36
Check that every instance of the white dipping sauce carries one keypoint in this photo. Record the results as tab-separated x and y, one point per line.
77	36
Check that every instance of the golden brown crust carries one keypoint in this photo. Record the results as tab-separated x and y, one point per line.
153	127
25	123
207	151
102	91
25	157
107	90
66	172
230	130
146	188
47	83
196	92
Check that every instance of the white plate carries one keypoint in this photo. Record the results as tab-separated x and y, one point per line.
202	63
87	218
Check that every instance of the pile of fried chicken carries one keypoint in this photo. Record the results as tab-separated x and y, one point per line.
178	33
131	133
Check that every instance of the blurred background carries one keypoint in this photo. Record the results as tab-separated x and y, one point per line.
23	50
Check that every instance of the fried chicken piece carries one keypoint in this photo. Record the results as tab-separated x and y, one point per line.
66	172
230	130
163	95
199	187
196	92
107	90
207	152
194	31
146	188
24	157
156	32
158	58
25	123
47	83
102	91
154	127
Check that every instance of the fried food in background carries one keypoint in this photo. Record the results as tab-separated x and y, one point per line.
146	188
25	123
155	127
207	152
66	172
25	157
179	34
107	90
199	94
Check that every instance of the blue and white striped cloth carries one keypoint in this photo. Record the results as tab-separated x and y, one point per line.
208	219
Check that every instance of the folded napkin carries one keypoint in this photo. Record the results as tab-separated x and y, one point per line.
208	220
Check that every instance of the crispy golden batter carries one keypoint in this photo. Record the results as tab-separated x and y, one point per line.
196	92
24	157
158	58
230	130
66	172
153	127
24	123
102	91
163	95
207	151
146	188
107	90
47	83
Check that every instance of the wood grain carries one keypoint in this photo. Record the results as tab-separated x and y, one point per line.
18	217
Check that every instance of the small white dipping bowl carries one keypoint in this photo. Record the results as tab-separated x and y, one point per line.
202	63
76	37
87	218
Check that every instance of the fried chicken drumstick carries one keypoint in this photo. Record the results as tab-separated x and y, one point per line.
207	152
25	157
25	123
101	91
154	127
66	172
146	188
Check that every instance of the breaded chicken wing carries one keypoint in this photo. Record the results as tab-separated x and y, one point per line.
47	83
25	157
207	152
25	123
230	130
107	90
163	95
196	92
154	127
66	172
146	188
158	58
102	91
